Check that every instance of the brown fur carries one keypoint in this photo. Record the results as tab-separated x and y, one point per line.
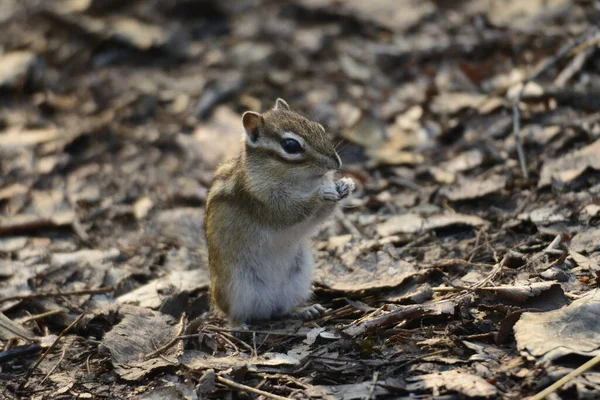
232	202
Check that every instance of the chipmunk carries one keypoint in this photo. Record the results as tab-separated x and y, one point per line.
261	210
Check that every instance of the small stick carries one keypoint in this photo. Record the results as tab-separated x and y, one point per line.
476	247
373	385
275	333
52	346
107	289
171	342
573	374
517	133
42	315
555	243
62	356
227	338
451	262
250	389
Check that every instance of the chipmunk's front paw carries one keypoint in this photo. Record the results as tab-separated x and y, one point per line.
309	313
330	192
345	187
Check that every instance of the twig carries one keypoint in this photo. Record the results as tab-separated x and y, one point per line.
573	374
476	247
42	315
230	339
452	262
52	346
107	289
517	133
254	344
250	389
373	385
275	333
556	242
62	356
171	342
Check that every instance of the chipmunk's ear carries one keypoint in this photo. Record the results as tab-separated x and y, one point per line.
252	122
280	104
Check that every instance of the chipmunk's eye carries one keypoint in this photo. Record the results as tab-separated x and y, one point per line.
291	146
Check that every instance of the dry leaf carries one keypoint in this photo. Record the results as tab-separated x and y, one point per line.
587	241
474	188
571	166
141	207
454	381
384	272
570	330
198	360
151	295
141	332
414	223
219	138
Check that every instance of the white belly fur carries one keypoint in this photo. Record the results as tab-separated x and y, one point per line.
271	279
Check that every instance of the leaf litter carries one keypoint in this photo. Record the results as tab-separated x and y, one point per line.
451	273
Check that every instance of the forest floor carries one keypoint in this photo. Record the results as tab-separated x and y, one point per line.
465	266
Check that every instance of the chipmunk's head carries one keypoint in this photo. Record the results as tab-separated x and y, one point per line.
282	138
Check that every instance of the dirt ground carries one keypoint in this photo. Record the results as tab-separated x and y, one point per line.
465	266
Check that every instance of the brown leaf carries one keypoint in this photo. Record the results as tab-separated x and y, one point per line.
587	241
384	12
151	295
540	295
414	223
456	381
390	156
571	166
584	261
219	138
198	360
451	103
518	293
469	189
141	332
27	222
570	330
384	272
20	138
10	329
15	69
466	161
